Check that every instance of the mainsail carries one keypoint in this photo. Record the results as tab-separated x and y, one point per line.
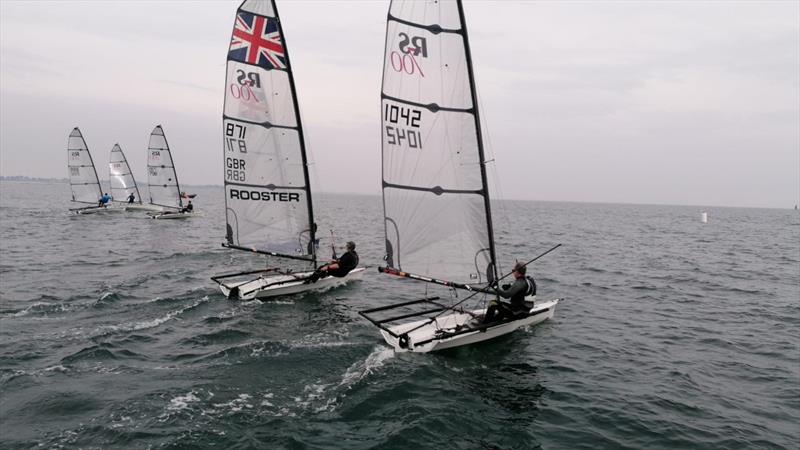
82	174
267	193
121	177
435	197
161	177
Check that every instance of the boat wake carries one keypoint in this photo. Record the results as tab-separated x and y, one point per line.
322	397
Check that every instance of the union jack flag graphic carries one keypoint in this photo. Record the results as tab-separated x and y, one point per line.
256	40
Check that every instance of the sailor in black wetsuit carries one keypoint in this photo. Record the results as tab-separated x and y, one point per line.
338	267
516	292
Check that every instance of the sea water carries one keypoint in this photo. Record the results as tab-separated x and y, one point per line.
673	333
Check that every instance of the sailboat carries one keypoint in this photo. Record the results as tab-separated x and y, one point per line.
268	205
83	177
123	183
437	214
162	180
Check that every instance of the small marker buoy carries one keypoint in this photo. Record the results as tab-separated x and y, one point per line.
704	217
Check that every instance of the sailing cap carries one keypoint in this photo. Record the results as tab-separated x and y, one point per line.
520	268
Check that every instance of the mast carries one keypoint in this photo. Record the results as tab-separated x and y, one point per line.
312	226
479	132
268	202
174	172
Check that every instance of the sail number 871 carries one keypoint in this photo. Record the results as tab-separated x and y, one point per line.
402	124
234	137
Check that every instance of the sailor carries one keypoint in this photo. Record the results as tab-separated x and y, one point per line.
104	200
517	291
131	197
337	267
188	208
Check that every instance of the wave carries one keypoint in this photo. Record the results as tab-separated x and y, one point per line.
152	323
100	352
107	299
39	309
221	336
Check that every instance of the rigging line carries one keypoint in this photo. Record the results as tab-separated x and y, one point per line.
452	307
529	262
311	161
496	185
447	308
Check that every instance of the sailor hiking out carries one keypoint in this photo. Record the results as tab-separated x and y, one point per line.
104	200
337	267
523	286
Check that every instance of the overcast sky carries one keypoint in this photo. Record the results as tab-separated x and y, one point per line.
692	103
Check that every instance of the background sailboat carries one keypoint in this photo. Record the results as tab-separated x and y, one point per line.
268	206
123	184
438	221
162	179
82	175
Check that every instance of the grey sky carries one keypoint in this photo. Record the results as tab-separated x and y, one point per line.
644	102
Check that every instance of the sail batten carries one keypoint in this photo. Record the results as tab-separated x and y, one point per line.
83	180
267	191
263	124
432	107
121	177
434	29
436	201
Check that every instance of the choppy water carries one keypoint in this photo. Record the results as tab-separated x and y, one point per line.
672	334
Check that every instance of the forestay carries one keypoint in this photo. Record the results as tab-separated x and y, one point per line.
436	202
120	176
267	194
161	177
82	174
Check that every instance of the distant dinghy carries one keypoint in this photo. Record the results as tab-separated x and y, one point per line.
83	178
267	191
123	184
162	180
437	216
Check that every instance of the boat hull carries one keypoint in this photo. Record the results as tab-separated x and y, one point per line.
279	285
142	207
173	215
98	210
451	330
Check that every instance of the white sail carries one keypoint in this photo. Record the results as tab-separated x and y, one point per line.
121	178
82	174
162	179
436	202
267	193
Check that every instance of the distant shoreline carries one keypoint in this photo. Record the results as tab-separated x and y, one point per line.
65	180
22	178
35	179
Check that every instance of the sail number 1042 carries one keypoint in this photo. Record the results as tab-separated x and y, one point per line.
402	124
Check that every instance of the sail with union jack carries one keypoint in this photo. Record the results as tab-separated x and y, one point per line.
257	40
267	190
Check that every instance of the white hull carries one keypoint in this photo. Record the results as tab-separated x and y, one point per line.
174	215
98	210
276	285
431	336
142	207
